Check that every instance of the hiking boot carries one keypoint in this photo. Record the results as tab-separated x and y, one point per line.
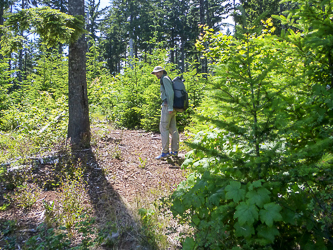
175	153
162	156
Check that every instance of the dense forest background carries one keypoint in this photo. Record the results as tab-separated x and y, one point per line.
259	126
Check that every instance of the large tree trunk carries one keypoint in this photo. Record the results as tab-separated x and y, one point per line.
208	20
172	52
203	61
182	54
78	125
202	12
20	59
2	7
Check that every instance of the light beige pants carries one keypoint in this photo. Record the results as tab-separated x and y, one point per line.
168	125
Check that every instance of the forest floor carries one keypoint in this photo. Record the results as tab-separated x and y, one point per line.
121	176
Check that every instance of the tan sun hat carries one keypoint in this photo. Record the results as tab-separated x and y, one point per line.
157	69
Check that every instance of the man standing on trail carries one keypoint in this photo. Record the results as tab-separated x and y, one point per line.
168	115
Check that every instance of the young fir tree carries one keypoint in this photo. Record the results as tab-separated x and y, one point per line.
6	78
50	75
233	163
262	178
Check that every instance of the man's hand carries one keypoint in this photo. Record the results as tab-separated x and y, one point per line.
170	112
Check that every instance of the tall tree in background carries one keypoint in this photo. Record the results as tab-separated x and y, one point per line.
4	4
209	13
140	14
78	124
132	24
263	10
176	15
128	23
113	33
61	5
203	21
144	23
24	4
93	19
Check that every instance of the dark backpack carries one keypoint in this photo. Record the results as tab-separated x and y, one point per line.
180	99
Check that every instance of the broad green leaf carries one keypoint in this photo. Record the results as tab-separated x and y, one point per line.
197	201
289	216
268	233
216	197
189	244
177	207
270	213
309	246
246	213
187	162
195	219
259	196
234	191
245	230
255	184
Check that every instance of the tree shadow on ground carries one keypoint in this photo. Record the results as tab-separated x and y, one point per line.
115	221
175	162
115	224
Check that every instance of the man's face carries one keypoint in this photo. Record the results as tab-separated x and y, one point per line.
158	74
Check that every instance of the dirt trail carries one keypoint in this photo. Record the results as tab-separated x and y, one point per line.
122	170
137	171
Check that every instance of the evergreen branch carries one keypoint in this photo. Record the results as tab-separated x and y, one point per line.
236	101
218	154
232	127
53	26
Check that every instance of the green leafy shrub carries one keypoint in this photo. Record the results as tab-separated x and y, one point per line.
6	82
102	97
151	108
260	179
50	75
131	86
15	176
95	65
132	99
25	195
38	107
72	198
52	239
44	119
157	225
7	228
101	85
49	239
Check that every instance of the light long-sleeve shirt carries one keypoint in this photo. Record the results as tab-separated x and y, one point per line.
167	93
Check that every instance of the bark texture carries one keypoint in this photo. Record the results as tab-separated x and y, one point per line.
78	125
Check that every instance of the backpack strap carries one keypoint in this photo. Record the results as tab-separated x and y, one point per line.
161	80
